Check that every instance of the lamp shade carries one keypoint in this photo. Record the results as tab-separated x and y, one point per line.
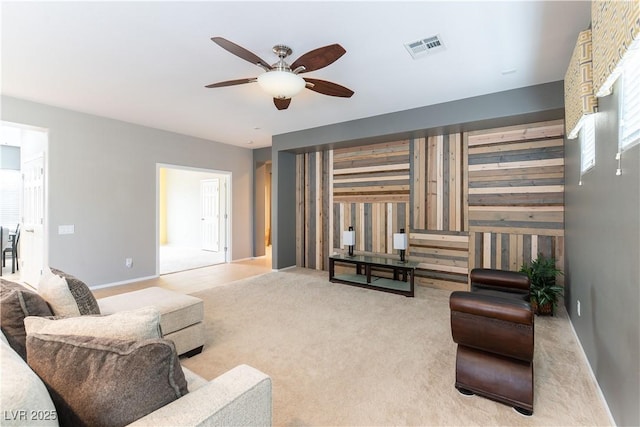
281	84
349	238
400	241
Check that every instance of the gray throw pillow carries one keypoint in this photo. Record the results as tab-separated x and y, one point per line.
20	389
85	300
16	303
106	382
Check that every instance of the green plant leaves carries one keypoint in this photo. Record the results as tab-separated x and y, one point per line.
542	273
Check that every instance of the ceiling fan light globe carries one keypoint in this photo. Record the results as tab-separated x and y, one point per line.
281	84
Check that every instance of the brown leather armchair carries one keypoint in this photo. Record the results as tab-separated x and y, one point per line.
493	326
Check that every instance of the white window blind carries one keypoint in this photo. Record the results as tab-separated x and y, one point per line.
588	143
630	101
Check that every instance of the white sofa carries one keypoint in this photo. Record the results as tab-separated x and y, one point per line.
239	397
181	315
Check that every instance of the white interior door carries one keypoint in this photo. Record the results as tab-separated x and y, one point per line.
31	245
210	197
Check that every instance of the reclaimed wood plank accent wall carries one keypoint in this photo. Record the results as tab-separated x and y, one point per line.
437	183
371	187
491	198
443	258
516	195
437	239
313	201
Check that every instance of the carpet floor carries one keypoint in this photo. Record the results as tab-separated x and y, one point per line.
345	356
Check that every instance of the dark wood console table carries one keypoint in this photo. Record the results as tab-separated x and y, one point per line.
403	273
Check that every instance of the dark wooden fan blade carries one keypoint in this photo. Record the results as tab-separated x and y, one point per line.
328	88
319	58
232	82
282	104
240	52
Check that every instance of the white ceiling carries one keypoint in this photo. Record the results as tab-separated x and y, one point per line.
148	62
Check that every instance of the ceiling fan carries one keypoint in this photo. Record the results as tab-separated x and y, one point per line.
281	80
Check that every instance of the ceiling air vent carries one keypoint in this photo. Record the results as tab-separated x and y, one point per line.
426	46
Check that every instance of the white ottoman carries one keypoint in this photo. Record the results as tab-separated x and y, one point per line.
180	315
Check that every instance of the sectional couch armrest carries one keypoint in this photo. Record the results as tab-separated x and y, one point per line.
239	397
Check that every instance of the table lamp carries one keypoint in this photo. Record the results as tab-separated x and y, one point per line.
400	243
349	239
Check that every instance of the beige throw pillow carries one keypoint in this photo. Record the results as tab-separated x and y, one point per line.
67	295
55	291
139	324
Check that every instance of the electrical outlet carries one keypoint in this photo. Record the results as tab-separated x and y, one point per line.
578	308
128	262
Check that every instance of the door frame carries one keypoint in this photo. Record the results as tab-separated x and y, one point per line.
32	149
23	229
228	175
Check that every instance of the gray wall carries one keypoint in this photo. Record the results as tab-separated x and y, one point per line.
283	201
102	179
262	155
512	107
602	225
524	105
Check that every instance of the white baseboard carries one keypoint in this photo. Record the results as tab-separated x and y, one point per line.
285	268
593	376
125	282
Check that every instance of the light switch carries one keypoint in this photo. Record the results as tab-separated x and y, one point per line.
66	229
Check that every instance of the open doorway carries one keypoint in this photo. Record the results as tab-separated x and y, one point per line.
192	218
262	211
23	201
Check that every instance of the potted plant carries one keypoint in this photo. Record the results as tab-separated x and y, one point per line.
544	292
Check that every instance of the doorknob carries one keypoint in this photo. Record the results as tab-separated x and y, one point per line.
29	230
